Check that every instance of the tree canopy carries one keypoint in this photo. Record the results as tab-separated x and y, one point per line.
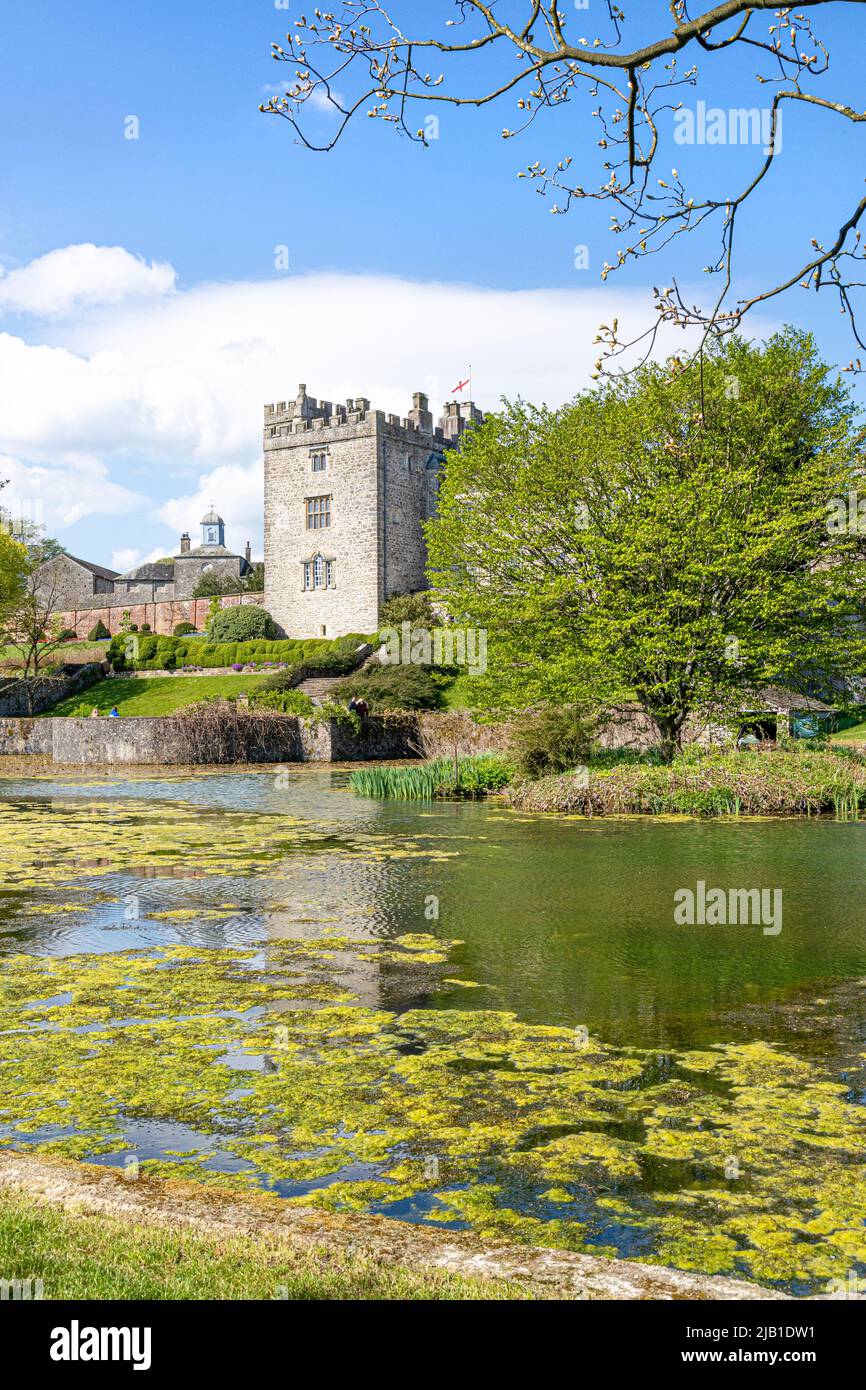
665	538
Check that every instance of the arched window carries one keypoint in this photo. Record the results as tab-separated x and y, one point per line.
319	573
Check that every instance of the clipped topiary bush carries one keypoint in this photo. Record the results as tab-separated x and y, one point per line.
241	623
67	634
181	629
99	633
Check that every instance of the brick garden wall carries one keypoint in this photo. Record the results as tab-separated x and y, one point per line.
162	617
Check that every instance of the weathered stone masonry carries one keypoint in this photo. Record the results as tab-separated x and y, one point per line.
347	490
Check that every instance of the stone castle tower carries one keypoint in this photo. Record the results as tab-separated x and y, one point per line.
346	491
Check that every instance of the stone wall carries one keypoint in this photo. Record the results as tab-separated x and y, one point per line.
47	692
25	736
162	617
156	740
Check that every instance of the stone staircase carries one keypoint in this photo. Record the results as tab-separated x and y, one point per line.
319	687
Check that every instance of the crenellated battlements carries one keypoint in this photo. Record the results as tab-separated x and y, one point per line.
306	413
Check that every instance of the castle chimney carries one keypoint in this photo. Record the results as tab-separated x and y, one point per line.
420	414
457	415
184	543
248	553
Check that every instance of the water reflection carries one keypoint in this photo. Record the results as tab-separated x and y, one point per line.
562	921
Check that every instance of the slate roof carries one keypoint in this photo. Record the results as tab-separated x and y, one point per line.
150	573
99	570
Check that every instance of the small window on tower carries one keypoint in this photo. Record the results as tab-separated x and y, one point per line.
320	463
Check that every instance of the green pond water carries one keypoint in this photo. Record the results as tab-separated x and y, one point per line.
445	1012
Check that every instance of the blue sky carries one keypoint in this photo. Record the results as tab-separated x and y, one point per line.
405	263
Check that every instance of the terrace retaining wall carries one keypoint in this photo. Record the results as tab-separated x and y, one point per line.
47	691
158	739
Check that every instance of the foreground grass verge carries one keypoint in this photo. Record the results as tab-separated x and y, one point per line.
87	1231
157	694
710	783
77	1255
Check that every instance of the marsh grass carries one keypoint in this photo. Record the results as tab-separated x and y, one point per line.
799	781
474	776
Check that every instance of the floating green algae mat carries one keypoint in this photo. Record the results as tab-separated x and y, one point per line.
427	1069
51	844
739	1159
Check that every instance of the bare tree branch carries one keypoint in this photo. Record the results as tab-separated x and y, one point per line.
534	60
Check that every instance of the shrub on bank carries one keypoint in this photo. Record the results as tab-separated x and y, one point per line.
801	781
98	633
553	740
183	629
391	688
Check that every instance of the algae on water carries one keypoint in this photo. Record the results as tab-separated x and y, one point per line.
261	1066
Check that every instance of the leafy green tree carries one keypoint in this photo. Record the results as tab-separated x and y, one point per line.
13	563
30	624
665	538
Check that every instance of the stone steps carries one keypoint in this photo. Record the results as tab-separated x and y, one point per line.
319	687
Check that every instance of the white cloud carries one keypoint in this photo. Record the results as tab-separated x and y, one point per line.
59	497
128	558
236	492
74	277
174	386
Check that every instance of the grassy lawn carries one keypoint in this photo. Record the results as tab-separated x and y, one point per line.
159	695
100	1257
856	734
78	652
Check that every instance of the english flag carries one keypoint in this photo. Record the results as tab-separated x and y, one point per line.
461	385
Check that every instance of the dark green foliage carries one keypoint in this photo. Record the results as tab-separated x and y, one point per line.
67	634
408	608
182	629
207	585
553	740
392	687
99	633
241	623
